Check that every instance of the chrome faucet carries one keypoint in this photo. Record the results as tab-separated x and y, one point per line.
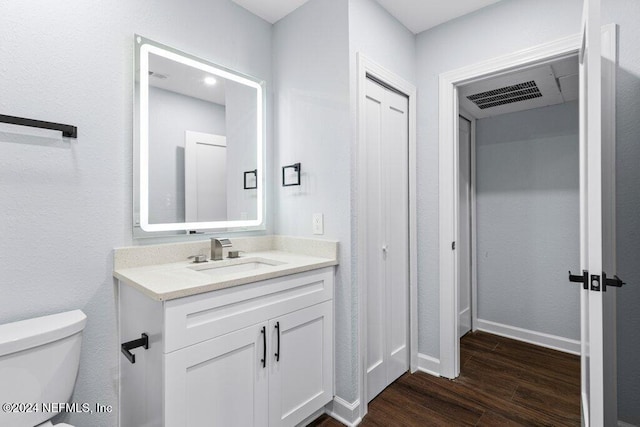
216	248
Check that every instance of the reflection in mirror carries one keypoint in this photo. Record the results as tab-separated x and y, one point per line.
199	129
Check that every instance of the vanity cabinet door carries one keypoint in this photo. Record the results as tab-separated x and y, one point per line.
219	382
300	364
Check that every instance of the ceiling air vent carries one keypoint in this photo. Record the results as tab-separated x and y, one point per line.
506	95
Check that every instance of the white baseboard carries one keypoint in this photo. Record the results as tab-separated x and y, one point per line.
311	418
343	411
428	364
538	338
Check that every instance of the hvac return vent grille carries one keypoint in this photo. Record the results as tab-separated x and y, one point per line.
506	95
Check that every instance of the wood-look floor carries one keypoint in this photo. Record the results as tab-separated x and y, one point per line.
502	383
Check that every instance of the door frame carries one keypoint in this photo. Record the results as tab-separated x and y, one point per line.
366	67
448	166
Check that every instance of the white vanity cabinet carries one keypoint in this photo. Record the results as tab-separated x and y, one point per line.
259	354
303	371
218	382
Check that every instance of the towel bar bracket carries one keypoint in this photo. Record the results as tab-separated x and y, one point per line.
126	347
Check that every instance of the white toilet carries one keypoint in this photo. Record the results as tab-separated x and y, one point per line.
39	361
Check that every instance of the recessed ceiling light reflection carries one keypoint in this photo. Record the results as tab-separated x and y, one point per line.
210	81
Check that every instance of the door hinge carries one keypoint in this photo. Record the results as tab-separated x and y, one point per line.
597	283
453	246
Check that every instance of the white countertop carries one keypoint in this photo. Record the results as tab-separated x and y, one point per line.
180	279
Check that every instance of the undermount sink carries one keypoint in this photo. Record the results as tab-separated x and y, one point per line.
240	266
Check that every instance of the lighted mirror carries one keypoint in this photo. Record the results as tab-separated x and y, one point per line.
198	145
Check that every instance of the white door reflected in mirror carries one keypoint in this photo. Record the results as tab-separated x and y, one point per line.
205	177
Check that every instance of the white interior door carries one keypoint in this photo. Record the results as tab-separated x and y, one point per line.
597	236
464	240
387	254
205	177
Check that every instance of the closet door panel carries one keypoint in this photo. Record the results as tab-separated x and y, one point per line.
395	152
376	331
387	236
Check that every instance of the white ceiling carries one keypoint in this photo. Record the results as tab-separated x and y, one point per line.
416	15
420	15
186	80
271	10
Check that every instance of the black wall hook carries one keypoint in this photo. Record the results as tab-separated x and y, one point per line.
255	176
296	167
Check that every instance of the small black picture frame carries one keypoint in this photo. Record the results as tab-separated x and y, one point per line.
296	167
255	175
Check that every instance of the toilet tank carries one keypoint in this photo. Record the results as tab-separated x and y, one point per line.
39	361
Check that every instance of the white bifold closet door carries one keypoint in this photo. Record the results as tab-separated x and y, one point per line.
387	236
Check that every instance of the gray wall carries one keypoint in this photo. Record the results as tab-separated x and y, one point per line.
312	121
241	149
528	235
65	206
170	114
477	37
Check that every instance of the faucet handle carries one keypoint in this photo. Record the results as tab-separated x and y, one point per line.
198	258
235	254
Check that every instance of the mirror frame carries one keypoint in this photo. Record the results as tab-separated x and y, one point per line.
141	225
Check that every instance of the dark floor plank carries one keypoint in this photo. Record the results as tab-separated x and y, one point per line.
567	382
448	410
564	408
491	419
502	383
324	421
415	412
464	394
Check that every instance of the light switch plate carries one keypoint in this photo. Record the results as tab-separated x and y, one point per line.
318	223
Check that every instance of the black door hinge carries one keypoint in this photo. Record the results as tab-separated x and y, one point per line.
453	246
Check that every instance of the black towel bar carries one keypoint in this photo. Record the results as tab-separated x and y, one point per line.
67	130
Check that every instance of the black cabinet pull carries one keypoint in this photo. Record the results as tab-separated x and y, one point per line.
264	346
278	349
